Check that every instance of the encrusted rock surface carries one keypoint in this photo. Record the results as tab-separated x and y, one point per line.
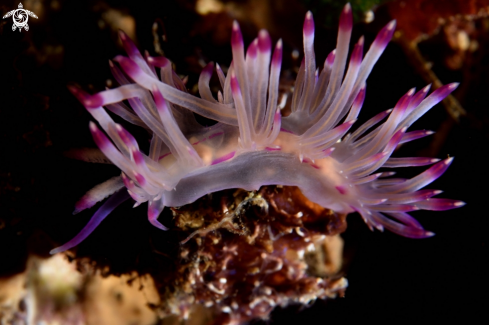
254	251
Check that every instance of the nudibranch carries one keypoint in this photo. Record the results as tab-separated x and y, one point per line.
252	144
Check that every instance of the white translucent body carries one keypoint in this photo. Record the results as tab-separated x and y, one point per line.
252	145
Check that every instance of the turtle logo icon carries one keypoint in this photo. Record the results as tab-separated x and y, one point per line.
20	16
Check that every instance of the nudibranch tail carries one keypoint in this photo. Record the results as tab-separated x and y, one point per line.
114	201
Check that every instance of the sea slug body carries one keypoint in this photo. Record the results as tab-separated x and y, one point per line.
252	144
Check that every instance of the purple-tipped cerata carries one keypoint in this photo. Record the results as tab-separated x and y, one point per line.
316	147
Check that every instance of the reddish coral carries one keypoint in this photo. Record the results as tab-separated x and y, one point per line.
418	19
249	255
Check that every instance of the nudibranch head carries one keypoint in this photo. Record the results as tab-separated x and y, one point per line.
252	144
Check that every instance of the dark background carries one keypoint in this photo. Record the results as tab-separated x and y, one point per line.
391	279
